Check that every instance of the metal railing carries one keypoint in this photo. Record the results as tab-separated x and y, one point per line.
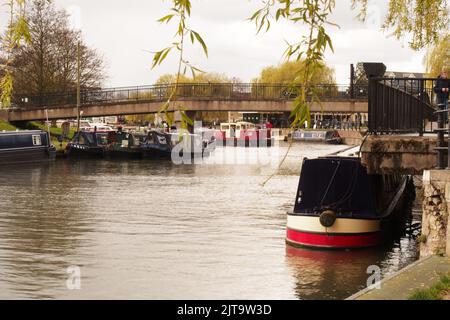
400	105
186	91
442	147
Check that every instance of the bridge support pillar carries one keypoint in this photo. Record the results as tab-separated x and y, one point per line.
178	119
435	238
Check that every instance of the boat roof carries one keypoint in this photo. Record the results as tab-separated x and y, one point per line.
236	123
22	132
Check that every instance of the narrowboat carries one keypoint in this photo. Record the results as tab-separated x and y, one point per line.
25	147
104	144
157	145
339	206
165	145
244	134
122	145
87	144
329	136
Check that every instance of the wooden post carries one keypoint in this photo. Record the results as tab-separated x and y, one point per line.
78	87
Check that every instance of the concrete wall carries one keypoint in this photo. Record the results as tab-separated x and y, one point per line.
188	105
435	237
4	115
399	154
351	138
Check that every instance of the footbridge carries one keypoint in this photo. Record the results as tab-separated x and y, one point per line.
191	97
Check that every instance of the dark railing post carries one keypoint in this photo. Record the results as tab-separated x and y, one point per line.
448	132
371	106
440	136
421	111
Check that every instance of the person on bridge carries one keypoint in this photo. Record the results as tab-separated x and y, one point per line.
442	88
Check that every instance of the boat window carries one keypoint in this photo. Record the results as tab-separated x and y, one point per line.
81	139
151	138
102	139
89	138
162	140
37	140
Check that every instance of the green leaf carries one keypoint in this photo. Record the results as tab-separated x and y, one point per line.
167	18
200	40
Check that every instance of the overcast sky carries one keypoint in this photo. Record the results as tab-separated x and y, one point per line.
125	32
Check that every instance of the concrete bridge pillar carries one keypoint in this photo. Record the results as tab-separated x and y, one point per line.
178	119
435	238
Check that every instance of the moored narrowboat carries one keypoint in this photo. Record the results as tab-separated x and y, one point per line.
163	145
244	134
25	147
326	136
339	206
87	144
104	144
157	145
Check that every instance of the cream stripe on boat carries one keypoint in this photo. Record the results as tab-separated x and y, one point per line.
312	224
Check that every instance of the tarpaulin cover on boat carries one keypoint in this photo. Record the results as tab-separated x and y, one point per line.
339	184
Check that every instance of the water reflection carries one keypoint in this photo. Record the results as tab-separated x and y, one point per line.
37	238
154	230
326	275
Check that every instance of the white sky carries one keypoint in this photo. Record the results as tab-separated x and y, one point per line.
126	31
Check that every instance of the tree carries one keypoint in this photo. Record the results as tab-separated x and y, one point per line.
199	78
289	72
438	57
48	62
423	21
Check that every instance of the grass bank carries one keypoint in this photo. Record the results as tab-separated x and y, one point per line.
6	126
439	291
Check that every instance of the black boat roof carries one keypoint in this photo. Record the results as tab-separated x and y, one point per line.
337	183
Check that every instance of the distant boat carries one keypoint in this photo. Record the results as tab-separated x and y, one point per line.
327	136
104	144
25	147
151	145
87	144
339	206
159	145
244	134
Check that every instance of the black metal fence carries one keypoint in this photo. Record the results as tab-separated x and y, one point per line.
400	105
195	91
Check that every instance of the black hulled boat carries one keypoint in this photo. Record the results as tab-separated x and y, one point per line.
339	206
25	147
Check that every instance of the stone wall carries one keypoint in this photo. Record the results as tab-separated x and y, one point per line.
4	115
351	138
398	154
435	238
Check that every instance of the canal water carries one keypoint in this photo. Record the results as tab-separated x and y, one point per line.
153	230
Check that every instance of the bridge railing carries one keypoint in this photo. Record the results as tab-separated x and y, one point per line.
185	91
400	105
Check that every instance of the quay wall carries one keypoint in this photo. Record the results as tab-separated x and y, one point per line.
4	115
435	238
351	137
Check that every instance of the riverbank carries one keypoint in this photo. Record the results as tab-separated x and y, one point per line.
420	275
